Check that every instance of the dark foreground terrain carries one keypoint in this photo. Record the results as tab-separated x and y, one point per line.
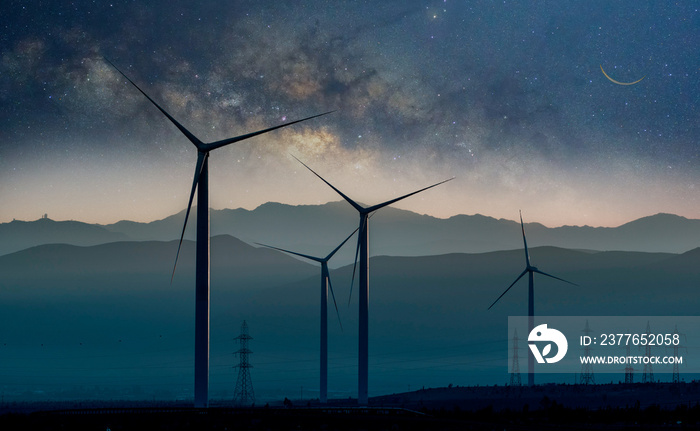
549	407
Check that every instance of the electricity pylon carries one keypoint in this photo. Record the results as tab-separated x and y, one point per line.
244	395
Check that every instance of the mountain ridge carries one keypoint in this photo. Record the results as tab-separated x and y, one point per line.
317	229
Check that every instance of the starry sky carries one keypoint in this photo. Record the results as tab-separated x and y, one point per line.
508	97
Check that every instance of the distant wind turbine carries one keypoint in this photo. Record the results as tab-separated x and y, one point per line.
363	250
201	179
325	285
531	270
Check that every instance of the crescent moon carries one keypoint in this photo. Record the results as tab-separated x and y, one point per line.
618	82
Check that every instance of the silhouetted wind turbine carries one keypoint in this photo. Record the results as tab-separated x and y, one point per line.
363	250
201	180
325	284
531	270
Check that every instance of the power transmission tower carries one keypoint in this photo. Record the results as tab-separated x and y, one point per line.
648	376
629	369
676	373
515	368
244	395
586	368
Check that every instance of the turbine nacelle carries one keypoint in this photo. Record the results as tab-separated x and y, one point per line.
203	149
528	267
365	212
324	265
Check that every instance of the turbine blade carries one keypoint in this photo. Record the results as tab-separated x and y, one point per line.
214	145
314	258
382	205
201	159
527	253
357	252
511	285
219	144
341	244
197	143
333	296
550	275
350	201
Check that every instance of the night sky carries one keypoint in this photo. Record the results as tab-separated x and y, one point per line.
508	97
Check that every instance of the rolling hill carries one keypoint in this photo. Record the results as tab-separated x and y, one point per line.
106	316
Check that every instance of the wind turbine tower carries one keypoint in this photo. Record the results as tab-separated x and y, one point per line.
363	251
201	180
530	270
325	285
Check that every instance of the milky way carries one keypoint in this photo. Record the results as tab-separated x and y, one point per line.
507	97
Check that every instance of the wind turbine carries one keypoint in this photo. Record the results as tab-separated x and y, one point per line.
325	284
530	270
201	180
363	250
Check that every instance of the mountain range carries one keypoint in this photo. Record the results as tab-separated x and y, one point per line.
98	309
317	229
